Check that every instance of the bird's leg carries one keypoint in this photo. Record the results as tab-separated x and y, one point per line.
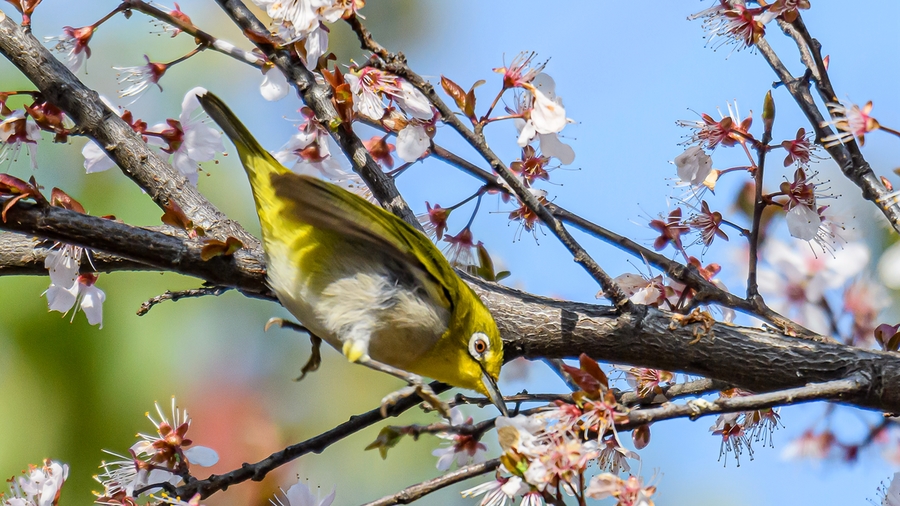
315	357
416	386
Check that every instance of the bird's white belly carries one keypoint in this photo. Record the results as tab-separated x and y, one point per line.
394	323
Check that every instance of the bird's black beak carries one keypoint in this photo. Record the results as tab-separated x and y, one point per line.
493	392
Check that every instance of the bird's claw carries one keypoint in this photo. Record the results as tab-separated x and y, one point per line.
416	387
315	357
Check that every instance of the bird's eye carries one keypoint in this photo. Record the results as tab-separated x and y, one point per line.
479	344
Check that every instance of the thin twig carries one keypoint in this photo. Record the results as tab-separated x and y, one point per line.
847	156
831	390
202	37
420	490
759	203
181	294
397	65
317	444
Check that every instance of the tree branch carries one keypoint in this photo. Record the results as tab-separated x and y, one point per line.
847	155
397	65
531	326
317	444
420	490
161	182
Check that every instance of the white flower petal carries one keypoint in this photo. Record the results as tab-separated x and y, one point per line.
412	101
412	142
551	146
95	159
803	222
274	86
547	115
201	456
92	304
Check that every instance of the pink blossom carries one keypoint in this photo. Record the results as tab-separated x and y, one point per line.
851	121
82	292
74	42
190	140
17	129
797	278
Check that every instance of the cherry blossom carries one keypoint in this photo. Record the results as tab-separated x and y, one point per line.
851	122
434	220
17	129
734	24
864	299
463	448
798	279
694	165
810	446
497	492
640	289
729	131
371	86
40	486
803	218
137	79
459	248
799	150
520	70
308	151
169	447
543	118
303	20
74	42
189	139
89	298
628	492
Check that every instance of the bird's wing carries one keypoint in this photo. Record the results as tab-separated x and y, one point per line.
328	206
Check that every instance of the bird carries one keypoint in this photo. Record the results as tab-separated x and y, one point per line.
365	281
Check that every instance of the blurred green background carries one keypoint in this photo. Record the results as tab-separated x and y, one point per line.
70	389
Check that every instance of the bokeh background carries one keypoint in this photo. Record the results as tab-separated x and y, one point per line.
626	71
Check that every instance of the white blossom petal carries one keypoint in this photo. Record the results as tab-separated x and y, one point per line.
201	456
274	86
412	143
803	222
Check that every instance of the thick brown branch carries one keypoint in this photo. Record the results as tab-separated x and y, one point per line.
532	327
58	85
149	248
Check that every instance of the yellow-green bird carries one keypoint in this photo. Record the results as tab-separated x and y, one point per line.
364	280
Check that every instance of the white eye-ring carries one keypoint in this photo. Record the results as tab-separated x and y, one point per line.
479	344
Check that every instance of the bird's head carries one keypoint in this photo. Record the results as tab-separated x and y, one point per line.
486	350
483	351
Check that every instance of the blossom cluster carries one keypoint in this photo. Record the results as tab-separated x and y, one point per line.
38	485
155	459
548	453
